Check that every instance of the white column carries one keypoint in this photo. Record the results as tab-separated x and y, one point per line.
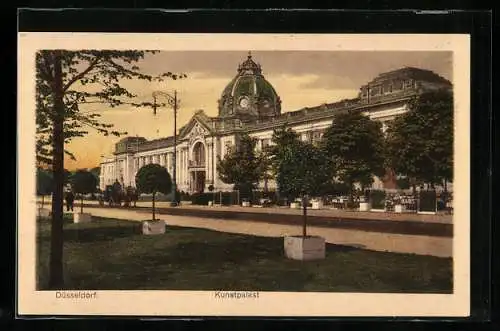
184	167
208	163
181	168
169	163
125	171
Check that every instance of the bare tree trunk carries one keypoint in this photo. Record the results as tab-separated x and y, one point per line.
154	216
56	278
304	217
81	204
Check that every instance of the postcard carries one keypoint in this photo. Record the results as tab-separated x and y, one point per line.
276	175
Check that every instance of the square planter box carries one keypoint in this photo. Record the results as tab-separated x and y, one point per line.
245	203
365	206
427	212
317	205
43	212
153	227
295	205
399	208
308	248
82	218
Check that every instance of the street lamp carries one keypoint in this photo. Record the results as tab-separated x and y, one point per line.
172	102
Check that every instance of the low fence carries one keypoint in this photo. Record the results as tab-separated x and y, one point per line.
218	198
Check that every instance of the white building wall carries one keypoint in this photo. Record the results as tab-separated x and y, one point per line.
164	156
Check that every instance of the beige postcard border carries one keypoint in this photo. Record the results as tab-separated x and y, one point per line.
201	303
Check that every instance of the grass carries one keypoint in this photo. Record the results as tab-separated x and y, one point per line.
110	254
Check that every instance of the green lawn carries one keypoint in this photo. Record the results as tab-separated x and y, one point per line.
109	254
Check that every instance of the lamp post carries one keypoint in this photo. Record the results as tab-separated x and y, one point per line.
173	102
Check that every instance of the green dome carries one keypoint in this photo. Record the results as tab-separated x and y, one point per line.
249	95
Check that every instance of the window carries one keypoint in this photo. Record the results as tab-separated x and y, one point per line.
397	85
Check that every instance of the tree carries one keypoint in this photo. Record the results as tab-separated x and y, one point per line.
242	166
300	168
65	80
43	184
419	143
96	171
83	182
153	178
354	143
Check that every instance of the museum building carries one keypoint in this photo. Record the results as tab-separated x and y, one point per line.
250	104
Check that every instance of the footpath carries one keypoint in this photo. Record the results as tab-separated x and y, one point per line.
411	224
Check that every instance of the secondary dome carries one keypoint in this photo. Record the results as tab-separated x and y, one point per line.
249	95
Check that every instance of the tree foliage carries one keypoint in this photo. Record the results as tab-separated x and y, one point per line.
83	182
355	144
243	166
96	171
68	85
89	77
300	168
419	143
44	183
153	178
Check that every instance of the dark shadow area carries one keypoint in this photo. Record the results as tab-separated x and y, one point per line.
88	235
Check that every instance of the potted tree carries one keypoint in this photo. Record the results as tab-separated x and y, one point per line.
301	168
211	189
295	204
317	203
43	188
364	204
151	179
399	207
83	182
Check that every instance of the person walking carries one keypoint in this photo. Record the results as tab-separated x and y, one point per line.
70	198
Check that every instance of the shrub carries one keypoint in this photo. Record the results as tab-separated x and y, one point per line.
377	199
185	196
201	198
228	198
427	201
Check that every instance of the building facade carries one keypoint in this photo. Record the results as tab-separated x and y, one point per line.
250	104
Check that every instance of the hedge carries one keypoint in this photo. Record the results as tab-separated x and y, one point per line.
228	198
427	201
377	199
159	197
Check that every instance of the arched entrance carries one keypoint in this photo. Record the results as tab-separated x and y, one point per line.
197	168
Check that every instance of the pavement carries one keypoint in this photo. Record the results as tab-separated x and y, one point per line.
440	246
412	224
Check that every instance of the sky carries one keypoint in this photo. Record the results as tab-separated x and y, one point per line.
301	79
